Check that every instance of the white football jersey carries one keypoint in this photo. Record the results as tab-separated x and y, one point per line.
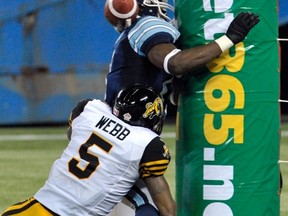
101	163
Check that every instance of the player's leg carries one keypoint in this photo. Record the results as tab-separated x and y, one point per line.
140	197
146	209
123	208
27	208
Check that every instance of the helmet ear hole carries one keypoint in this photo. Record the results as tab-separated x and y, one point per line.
140	105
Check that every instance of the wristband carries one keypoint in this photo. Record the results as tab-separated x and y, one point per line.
224	43
167	57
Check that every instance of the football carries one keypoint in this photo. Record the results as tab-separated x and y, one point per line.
117	11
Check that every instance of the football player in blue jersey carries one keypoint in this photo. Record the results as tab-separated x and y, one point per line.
130	62
147	52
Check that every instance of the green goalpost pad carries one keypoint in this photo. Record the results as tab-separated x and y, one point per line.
228	118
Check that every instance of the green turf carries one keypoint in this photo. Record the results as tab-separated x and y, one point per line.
25	165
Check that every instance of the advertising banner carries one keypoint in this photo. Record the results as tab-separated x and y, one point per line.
228	118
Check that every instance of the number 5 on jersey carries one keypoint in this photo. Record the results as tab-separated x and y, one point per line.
93	161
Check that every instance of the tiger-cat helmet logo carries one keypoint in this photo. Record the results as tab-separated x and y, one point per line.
153	109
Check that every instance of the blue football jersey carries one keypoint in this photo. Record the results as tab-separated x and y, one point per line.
130	65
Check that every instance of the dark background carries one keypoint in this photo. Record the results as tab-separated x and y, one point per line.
283	33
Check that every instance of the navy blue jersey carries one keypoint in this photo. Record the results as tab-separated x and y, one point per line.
129	61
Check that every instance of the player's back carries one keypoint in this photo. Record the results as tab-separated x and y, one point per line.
98	167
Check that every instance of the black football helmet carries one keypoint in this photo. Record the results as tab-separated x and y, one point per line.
156	8
140	105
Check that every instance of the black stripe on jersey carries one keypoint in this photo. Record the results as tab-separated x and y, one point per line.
153	168
22	207
51	212
135	194
16	211
155	159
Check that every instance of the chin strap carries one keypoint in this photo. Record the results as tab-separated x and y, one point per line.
121	26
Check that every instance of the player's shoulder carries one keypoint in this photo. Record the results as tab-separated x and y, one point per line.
144	130
158	146
80	107
149	31
143	135
155	159
88	101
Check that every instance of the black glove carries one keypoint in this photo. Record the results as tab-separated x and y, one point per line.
241	25
177	84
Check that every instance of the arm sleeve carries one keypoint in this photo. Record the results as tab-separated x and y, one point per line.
155	159
77	110
150	31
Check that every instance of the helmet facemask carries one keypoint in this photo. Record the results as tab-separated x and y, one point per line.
122	25
156	8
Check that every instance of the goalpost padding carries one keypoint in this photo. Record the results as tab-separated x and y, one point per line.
228	118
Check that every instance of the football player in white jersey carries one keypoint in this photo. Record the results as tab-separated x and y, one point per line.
147	51
109	149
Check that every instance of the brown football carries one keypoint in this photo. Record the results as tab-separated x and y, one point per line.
119	10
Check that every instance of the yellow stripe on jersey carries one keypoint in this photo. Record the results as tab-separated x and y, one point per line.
28	208
19	205
155	163
153	168
144	175
157	168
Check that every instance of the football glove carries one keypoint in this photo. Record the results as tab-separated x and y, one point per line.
241	25
177	85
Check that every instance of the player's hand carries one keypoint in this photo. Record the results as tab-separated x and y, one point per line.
178	84
241	25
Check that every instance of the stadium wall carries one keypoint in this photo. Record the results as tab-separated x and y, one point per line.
56	52
52	54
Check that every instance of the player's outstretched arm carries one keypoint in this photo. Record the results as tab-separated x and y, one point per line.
177	62
161	195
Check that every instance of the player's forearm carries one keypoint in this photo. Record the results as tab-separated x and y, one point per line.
165	203
161	195
168	212
181	62
187	61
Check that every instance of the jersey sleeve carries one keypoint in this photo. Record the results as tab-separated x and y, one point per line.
150	31
155	159
78	109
